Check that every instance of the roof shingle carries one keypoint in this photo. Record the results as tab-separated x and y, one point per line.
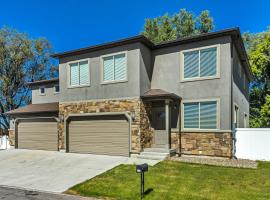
36	108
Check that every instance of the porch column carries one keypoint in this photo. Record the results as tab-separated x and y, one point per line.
168	121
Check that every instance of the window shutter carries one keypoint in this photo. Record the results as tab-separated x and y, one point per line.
84	73
108	69
74	74
120	67
191	64
191	115
208	115
208	62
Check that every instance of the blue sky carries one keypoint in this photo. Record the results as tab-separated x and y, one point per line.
71	24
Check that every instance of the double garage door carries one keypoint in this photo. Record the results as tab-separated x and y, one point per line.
108	135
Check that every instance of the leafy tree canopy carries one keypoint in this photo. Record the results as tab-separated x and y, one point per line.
22	60
179	25
258	48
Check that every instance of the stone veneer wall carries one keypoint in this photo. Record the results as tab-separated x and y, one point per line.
11	134
209	144
175	141
141	131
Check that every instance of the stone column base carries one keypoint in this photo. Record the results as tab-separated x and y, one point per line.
11	133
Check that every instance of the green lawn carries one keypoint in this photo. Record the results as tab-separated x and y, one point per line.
175	180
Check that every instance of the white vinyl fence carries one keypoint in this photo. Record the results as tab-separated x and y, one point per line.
4	142
252	143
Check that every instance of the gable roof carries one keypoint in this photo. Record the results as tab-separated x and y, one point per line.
233	32
159	93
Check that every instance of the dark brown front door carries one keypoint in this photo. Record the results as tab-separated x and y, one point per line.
158	122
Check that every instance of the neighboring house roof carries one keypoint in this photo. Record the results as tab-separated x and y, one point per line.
35	108
41	82
159	94
233	32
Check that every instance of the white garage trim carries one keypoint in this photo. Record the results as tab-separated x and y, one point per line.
17	120
94	115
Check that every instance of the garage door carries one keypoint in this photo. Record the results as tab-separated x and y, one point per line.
99	135
40	134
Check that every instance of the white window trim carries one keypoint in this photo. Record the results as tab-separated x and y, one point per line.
42	94
183	129
54	90
68	73
236	118
102	70
182	57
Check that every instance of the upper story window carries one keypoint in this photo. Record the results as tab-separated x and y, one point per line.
79	73
201	63
114	68
200	115
42	90
56	89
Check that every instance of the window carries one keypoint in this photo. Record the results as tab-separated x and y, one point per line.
79	73
236	116
42	90
200	63
56	89
114	68
200	115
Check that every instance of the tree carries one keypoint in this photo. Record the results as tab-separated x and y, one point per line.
184	23
21	60
258	48
165	29
205	22
265	112
180	25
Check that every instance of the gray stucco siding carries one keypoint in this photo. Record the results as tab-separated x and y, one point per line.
146	69
240	94
242	103
97	90
239	79
49	97
166	76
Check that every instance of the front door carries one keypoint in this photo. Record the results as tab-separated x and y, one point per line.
158	122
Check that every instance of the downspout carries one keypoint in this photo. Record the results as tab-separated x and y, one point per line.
232	116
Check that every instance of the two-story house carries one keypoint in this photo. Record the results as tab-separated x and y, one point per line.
121	97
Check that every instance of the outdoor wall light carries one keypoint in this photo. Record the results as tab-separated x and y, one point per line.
61	117
133	115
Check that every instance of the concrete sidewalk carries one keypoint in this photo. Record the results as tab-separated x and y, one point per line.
51	171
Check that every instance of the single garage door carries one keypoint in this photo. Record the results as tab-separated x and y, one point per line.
108	135
39	134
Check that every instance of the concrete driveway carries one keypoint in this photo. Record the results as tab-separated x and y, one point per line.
51	171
